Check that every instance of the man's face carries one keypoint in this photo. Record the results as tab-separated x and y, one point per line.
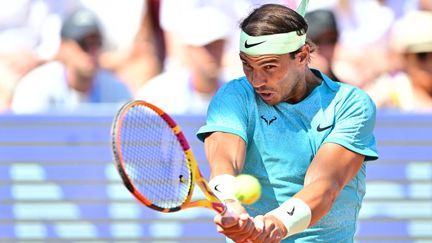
88	50
425	61
275	78
419	68
206	61
81	57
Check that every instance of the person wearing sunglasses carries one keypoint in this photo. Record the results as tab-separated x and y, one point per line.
74	78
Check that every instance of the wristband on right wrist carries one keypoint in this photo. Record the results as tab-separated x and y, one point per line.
222	186
295	214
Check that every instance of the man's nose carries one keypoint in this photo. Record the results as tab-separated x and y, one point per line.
258	80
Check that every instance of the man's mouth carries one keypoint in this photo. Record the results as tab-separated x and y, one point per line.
266	96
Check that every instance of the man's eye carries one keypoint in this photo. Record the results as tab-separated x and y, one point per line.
269	67
245	64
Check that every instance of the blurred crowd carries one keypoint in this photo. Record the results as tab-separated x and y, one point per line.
62	54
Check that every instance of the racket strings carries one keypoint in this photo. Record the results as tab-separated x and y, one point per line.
154	159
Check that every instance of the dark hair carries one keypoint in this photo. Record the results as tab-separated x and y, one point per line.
422	56
271	19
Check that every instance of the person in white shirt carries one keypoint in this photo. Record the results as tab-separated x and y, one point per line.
188	88
75	77
408	87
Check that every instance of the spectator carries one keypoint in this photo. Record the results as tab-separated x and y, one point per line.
408	88
173	12
28	37
75	77
363	31
323	31
188	88
132	41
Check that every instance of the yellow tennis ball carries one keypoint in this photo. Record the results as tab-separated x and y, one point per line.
247	189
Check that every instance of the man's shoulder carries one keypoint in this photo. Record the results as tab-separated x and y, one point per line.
238	84
107	76
344	90
350	97
351	91
49	74
110	85
52	68
344	95
239	80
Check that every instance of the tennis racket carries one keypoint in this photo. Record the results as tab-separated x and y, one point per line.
155	160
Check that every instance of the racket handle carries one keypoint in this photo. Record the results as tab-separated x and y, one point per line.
229	211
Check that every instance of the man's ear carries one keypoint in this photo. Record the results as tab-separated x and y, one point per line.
304	54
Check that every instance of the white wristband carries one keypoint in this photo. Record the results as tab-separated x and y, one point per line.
222	186
295	214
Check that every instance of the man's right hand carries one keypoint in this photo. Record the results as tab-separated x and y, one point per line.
273	230
236	223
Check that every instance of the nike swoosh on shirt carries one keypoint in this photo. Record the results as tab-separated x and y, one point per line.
320	129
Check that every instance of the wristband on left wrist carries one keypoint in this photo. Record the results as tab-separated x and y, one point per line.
295	214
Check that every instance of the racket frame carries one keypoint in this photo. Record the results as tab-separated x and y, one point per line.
210	201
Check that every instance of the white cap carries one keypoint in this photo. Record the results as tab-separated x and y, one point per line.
413	33
204	25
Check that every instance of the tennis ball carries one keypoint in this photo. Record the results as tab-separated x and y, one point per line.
247	188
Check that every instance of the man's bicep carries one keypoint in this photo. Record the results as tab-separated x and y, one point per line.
334	163
225	153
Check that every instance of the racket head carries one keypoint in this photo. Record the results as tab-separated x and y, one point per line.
152	156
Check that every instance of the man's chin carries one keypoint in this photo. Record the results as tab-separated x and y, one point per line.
86	74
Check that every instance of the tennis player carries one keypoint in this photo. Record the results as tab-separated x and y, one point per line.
305	137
